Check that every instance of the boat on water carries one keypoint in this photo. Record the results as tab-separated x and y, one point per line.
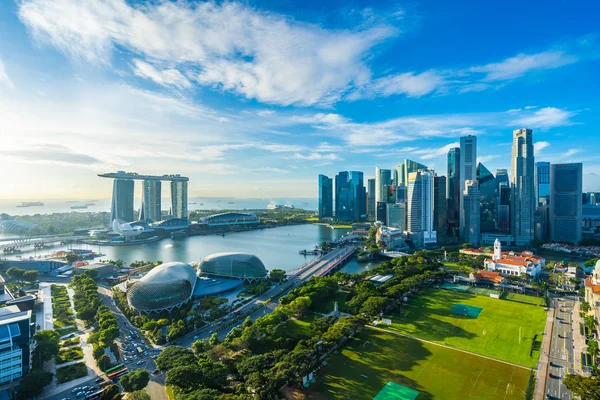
31	204
81	207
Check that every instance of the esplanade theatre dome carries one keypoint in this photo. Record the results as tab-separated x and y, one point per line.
165	287
233	265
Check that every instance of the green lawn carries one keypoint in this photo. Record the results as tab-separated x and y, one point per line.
69	354
374	358
503	330
523	298
300	328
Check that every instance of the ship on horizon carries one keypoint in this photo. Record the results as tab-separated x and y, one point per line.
31	204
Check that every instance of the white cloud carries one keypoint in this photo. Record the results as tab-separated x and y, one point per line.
4	79
228	46
521	64
539	146
429	153
164	77
484	159
545	118
409	84
271	169
316	156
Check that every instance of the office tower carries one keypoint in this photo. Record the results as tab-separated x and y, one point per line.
150	210
467	167
396	215
592	198
122	200
542	183
523	187
440	208
350	196
179	199
453	191
566	182
325	197
420	205
541	219
15	342
383	178
471	213
391	194
488	190
402	170
502	177
381	212
504	199
371	198
401	193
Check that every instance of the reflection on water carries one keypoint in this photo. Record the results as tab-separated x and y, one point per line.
276	247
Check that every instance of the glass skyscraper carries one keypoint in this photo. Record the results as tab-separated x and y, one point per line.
468	168
325	197
565	202
440	211
488	192
523	186
122	200
151	201
350	196
453	191
179	199
371	204
383	178
542	182
470	215
420	205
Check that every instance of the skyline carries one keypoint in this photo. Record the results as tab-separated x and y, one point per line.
259	108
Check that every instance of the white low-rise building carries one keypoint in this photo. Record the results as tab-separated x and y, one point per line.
515	264
393	238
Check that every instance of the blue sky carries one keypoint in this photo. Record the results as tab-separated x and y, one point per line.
254	99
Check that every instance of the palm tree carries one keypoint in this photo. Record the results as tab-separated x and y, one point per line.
590	322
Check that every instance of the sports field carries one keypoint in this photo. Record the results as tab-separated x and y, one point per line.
371	360
503	330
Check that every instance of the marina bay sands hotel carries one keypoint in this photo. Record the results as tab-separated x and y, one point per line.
123	195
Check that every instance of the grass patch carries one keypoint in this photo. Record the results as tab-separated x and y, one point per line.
69	354
66	331
325	307
495	333
372	359
70	372
312	219
170	394
523	298
298	329
453	266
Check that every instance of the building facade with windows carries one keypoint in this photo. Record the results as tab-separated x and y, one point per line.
566	208
325	197
524	202
420	206
515	264
15	342
471	213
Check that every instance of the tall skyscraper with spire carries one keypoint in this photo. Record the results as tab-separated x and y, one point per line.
523	187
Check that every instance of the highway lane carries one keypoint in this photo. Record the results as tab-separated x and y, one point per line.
561	350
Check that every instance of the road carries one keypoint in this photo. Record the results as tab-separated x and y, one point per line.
561	349
316	267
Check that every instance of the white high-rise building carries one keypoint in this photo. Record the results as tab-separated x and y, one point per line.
383	179
420	206
468	170
523	187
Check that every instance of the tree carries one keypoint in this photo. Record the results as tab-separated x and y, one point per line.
592	347
16	274
201	394
98	352
590	322
200	346
185	376
588	388
31	276
72	257
374	305
110	393
300	305
87	314
104	362
47	346
34	382
214	374
135	380
276	275
214	339
174	356
585	306
139	395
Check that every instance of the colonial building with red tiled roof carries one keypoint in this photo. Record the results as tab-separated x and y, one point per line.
592	292
516	264
487	276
